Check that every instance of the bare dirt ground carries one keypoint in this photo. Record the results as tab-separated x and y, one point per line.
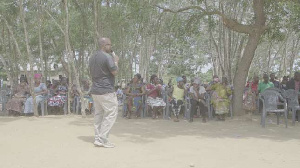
67	142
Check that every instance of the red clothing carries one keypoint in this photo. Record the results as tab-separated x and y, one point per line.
254	86
154	93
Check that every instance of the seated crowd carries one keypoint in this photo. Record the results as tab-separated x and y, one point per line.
154	97
218	92
53	96
254	88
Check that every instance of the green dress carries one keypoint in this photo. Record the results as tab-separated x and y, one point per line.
220	98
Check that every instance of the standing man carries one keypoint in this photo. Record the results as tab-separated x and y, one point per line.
294	83
103	69
274	81
265	84
262	86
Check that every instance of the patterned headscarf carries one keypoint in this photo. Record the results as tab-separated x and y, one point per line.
37	76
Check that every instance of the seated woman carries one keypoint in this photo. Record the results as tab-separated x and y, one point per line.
135	91
59	98
40	90
15	105
177	98
220	98
250	96
154	92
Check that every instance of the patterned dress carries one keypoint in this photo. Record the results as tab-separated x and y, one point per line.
136	101
16	103
220	98
153	98
59	99
249	98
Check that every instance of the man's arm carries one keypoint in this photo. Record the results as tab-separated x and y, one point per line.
259	88
116	62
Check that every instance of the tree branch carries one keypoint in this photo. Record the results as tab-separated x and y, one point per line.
55	22
228	22
13	36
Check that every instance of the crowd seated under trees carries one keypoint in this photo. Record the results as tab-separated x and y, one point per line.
53	94
220	94
154	96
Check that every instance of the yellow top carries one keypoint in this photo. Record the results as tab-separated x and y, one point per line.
178	93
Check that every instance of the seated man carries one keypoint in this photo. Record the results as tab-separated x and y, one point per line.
262	86
197	93
177	98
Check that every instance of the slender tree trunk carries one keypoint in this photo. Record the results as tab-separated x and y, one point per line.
71	56
96	20
30	56
40	41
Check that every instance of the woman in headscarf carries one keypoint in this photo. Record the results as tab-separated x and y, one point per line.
220	98
154	101
40	90
15	105
177	100
59	99
134	92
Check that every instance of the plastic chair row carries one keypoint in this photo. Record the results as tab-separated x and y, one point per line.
273	98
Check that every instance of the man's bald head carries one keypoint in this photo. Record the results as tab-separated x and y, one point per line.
105	44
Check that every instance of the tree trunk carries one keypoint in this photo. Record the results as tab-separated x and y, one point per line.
30	56
71	57
242	72
255	31
40	41
97	35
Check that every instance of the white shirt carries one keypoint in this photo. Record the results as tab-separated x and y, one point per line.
201	90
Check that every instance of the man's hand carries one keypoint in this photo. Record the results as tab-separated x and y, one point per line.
116	58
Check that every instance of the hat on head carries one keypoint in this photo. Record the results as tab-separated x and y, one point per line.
197	81
179	79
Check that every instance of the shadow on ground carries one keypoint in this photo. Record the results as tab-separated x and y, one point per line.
146	130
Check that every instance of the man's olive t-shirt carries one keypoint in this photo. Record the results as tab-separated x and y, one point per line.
101	65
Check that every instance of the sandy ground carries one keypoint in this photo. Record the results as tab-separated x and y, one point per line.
67	142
